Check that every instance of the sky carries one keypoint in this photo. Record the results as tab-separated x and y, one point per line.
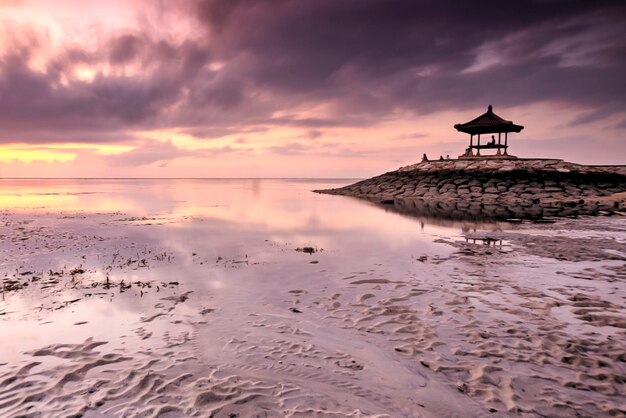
299	88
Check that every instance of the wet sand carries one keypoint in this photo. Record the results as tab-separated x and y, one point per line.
172	312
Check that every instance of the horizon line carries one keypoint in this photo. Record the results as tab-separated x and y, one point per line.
180	178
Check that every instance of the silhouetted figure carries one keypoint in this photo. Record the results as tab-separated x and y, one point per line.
424	158
447	156
493	140
441	158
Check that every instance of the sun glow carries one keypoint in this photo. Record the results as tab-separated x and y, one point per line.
56	153
26	155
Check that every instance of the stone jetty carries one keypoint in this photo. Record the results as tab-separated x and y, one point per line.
498	188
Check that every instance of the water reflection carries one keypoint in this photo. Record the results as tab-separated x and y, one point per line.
443	215
462	213
278	204
214	230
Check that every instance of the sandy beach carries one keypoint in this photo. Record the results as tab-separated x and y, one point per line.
195	298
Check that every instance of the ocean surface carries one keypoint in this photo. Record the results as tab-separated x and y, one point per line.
258	297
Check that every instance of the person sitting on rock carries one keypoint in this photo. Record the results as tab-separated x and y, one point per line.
424	158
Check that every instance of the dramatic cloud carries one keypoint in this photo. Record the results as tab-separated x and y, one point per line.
211	69
369	56
150	152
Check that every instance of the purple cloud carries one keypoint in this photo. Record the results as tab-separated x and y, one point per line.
364	59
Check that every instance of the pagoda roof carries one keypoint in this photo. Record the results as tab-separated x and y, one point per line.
488	123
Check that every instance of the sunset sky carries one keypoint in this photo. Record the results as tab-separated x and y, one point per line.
297	88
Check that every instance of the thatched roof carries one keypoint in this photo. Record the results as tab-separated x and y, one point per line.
488	123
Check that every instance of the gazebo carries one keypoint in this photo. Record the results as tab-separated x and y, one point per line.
488	123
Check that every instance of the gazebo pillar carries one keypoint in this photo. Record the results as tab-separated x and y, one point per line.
478	149
499	134
506	147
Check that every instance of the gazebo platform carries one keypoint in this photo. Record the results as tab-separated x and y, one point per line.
488	157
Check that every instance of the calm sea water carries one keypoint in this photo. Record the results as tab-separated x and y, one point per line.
267	203
69	223
107	282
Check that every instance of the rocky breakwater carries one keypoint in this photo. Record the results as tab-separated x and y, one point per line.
496	188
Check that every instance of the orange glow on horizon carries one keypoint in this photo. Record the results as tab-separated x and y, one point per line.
287	151
8	154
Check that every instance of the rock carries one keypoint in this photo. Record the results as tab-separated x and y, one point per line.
449	195
543	195
527	183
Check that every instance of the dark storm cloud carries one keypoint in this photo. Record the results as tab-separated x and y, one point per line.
364	59
219	132
374	54
328	149
312	134
620	125
410	136
124	49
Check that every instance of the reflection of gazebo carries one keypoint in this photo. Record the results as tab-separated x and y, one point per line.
488	123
